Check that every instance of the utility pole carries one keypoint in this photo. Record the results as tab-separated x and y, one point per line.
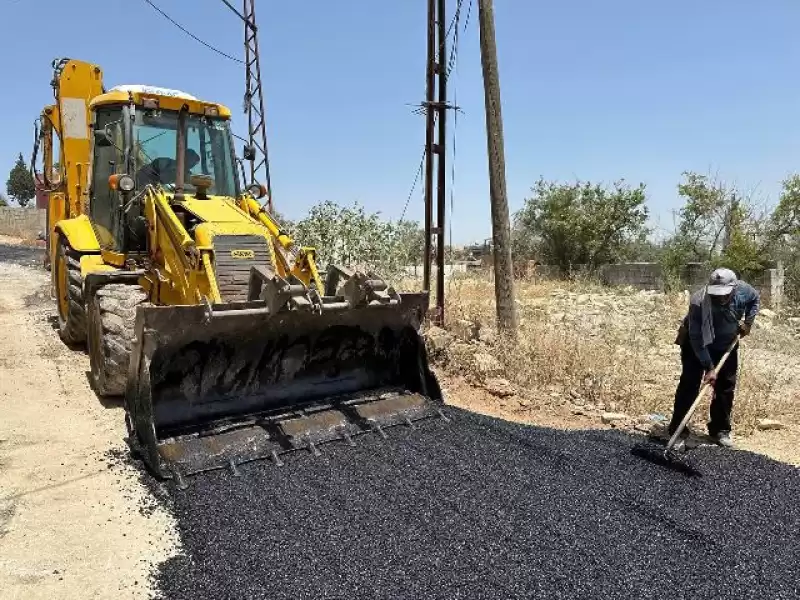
257	152
436	107
430	94
501	227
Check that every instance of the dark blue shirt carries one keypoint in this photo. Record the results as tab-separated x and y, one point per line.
744	303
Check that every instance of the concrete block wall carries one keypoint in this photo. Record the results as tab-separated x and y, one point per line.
643	276
770	286
649	276
22	222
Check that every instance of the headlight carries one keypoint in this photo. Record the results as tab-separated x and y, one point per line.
126	183
257	190
121	182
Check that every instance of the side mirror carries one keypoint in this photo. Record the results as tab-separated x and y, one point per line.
249	152
101	138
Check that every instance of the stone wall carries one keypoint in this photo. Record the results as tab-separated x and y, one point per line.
649	276
643	276
22	222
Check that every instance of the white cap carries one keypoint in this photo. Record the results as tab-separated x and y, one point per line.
721	282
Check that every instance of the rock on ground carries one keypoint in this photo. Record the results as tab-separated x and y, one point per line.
499	387
769	424
612	417
486	365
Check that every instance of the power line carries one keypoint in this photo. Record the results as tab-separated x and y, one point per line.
454	22
191	35
453	64
414	185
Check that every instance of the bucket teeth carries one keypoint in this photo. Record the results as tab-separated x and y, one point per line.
180	481
377	427
312	447
346	436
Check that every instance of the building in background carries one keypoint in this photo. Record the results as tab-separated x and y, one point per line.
42	196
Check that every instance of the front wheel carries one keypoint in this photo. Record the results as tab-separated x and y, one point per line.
69	294
112	315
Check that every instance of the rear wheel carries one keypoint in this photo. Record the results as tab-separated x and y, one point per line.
69	293
112	315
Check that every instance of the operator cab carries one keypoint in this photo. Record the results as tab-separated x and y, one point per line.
136	145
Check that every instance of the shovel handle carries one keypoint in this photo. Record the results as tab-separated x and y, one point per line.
696	402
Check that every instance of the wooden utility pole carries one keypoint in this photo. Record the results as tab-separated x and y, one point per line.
501	227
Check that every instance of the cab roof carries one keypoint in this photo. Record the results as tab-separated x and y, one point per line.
167	99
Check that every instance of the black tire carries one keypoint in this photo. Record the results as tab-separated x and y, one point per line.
112	316
72	317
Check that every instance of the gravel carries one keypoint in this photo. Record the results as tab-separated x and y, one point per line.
480	508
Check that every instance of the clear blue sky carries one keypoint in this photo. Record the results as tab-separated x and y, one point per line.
594	90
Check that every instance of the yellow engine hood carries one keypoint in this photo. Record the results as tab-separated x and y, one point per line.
216	209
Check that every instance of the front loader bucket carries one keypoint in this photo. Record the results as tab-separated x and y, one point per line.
214	387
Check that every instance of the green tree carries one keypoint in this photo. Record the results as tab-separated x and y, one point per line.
568	224
784	234
20	185
720	226
703	216
410	242
785	219
349	236
3	201
741	251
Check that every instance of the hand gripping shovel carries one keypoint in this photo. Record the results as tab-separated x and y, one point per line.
668	457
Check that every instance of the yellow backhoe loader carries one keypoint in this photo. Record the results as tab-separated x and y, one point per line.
196	306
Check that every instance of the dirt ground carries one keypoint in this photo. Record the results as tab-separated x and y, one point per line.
72	524
75	524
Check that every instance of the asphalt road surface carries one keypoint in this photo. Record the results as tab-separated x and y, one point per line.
481	508
27	256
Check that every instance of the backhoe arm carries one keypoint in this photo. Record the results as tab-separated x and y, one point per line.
299	262
174	250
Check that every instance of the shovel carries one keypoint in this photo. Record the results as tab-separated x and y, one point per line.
668	457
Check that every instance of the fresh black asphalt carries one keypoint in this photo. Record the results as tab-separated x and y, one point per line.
26	256
480	508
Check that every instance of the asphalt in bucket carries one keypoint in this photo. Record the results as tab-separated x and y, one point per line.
481	508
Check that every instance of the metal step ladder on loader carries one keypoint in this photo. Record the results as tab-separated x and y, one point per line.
215	386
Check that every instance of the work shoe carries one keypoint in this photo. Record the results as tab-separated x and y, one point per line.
723	438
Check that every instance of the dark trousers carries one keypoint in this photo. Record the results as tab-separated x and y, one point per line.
689	387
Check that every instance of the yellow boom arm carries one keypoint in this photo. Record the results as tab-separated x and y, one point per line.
299	262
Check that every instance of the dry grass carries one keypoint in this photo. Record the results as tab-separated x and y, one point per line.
612	350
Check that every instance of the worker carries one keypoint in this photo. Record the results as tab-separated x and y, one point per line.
713	321
164	170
